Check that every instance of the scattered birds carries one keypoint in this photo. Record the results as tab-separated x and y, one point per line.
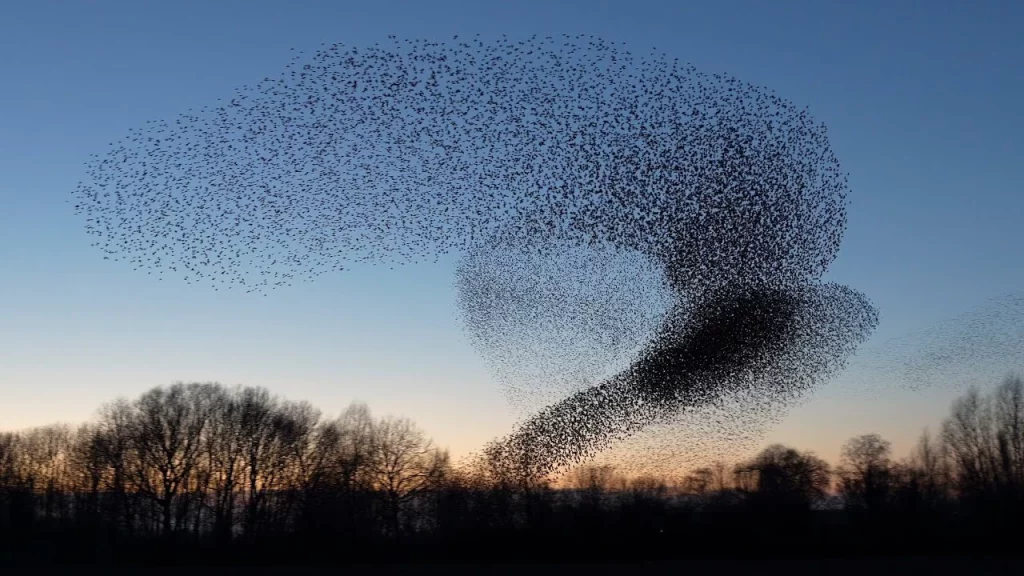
671	224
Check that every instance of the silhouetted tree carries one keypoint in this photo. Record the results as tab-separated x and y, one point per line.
784	477
699	481
166	446
402	464
218	470
924	478
223	458
970	435
865	472
1008	416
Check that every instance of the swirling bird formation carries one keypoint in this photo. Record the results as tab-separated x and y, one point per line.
700	212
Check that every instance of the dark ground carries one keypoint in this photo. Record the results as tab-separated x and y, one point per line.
789	566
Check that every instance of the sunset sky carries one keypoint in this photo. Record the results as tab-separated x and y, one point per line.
921	99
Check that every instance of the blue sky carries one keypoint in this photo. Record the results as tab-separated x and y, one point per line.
921	100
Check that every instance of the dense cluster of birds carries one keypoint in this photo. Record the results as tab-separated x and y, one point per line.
976	348
672	226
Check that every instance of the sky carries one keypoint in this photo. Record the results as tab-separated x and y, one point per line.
921	100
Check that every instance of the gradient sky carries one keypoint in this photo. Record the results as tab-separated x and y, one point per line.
922	101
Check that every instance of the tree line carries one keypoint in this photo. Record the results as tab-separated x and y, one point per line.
201	472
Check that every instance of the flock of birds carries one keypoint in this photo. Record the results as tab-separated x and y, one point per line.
670	227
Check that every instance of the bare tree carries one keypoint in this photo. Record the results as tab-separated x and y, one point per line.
403	464
716	478
87	467
594	478
167	438
699	481
114	444
648	487
261	467
8	459
296	462
928	468
591	483
45	467
865	471
205	459
969	433
223	459
721	477
784	476
355	426
1008	409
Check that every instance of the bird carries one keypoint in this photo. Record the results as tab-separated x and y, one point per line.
627	221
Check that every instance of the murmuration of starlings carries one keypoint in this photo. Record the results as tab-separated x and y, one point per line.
510	154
